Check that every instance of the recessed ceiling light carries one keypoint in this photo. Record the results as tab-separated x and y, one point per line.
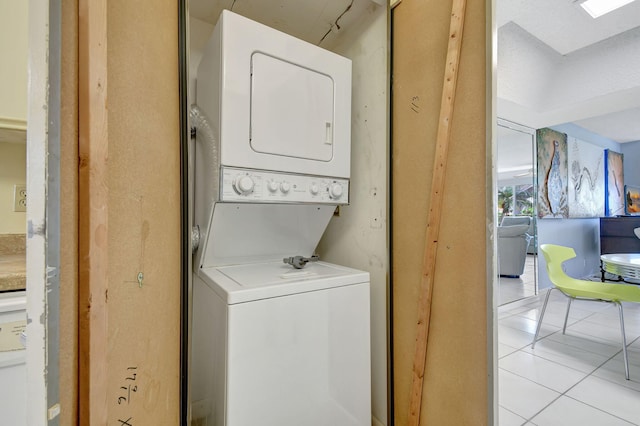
597	8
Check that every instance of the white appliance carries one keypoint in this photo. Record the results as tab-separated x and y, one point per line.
272	344
13	369
281	347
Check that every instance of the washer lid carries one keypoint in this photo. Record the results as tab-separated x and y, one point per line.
255	281
242	233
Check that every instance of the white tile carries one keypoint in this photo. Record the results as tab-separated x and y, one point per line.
558	306
542	371
525	324
513	309
590	305
576	311
521	396
570	356
569	412
608	320
507	418
509	292
529	379
613	370
588	343
610	332
631	324
504	350
512	337
555	319
609	397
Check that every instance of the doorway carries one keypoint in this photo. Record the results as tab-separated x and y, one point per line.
516	212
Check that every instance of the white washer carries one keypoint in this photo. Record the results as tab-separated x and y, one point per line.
276	346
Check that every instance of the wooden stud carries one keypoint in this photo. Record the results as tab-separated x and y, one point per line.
68	350
435	208
93	204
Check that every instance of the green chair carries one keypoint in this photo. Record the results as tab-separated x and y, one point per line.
584	290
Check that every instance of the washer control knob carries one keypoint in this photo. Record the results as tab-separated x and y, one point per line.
272	185
313	189
335	191
243	184
285	187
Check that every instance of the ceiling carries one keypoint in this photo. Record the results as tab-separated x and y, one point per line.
558	65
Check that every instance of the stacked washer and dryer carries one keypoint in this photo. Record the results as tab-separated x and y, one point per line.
278	336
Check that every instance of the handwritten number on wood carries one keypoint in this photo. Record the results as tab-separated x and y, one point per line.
129	387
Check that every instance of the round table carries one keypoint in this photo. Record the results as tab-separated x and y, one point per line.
625	265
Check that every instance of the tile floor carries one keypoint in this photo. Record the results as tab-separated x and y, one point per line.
512	289
571	379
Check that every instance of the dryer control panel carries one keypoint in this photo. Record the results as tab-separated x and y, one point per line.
260	186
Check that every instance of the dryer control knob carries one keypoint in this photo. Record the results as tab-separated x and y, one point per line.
243	185
313	189
335	191
272	185
285	187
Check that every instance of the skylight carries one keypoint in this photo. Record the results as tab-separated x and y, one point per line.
597	8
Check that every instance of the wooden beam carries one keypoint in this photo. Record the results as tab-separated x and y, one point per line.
435	208
129	214
93	205
69	215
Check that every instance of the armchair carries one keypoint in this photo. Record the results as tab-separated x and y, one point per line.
524	220
513	241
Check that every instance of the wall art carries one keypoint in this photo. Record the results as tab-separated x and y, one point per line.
586	179
552	174
614	183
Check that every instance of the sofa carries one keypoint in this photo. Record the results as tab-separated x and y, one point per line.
513	243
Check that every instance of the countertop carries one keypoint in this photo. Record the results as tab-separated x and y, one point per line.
13	272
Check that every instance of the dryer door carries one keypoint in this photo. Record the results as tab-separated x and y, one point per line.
292	109
276	103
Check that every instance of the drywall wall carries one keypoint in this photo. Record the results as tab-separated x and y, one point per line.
13	110
581	234
13	170
37	141
456	380
358	237
129	210
13	51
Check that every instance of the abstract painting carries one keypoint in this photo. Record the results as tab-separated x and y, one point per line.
632	202
552	174
614	183
586	179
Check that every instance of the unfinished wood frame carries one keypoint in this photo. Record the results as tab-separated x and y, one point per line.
456	376
68	347
435	206
129	212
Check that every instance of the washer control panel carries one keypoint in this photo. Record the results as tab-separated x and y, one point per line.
259	186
